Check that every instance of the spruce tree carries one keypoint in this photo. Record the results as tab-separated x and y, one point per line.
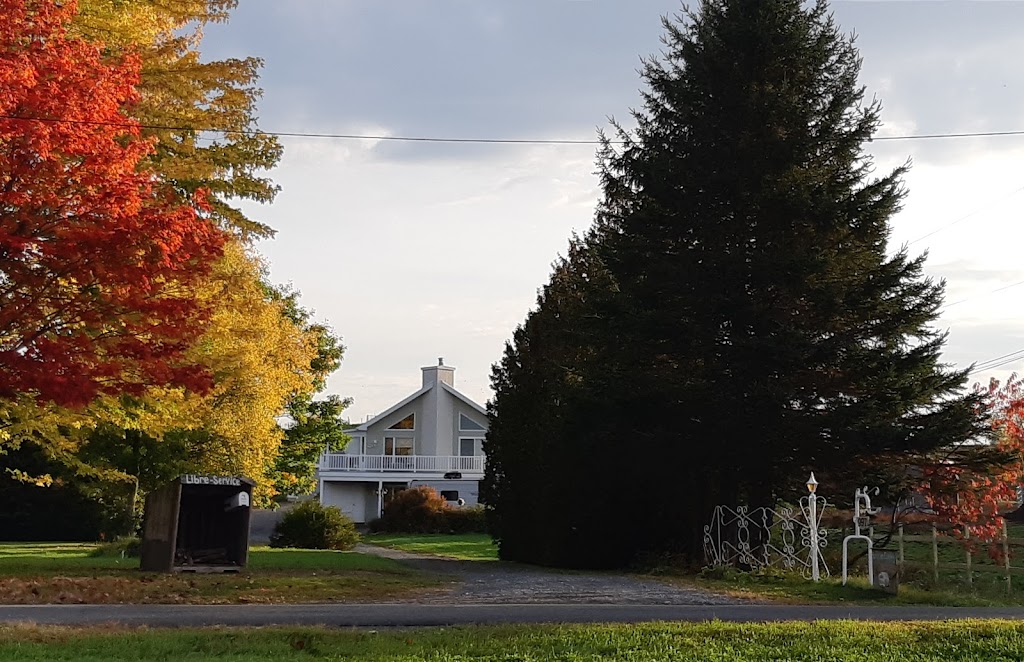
753	325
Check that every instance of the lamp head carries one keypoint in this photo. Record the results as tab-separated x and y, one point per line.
812	485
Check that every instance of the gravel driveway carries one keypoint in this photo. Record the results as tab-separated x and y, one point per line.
490	582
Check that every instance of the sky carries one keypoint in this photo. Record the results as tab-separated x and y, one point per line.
414	251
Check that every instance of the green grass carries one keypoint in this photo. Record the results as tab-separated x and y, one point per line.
838	640
40	573
793	588
466	546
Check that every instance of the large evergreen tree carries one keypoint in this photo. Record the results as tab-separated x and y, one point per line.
751	324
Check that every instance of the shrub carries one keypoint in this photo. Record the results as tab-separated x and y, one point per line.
422	510
122	547
415	510
468	519
311	525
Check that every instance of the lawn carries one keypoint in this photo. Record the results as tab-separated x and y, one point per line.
842	640
46	573
792	588
466	546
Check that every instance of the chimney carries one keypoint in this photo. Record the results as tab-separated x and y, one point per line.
438	373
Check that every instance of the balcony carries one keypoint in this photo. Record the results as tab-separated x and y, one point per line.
414	464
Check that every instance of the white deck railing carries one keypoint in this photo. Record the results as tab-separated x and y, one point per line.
414	463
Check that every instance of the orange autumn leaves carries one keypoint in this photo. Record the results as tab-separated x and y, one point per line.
97	256
970	487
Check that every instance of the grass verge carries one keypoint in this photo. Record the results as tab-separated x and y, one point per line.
834	640
465	546
66	573
919	583
792	588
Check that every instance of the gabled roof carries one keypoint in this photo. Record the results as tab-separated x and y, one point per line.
464	398
391	410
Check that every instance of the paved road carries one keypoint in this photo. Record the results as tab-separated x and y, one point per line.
410	615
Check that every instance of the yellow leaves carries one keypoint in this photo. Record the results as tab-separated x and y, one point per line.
160	410
125	23
119	24
39	481
259	359
53	428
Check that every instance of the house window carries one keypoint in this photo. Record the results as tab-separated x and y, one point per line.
467	424
450	495
468	446
407	423
398	445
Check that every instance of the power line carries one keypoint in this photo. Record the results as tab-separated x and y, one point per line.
985	366
439	139
998	289
967	216
299	134
999	360
989	364
931	136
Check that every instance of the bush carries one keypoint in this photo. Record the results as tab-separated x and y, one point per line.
415	510
468	519
122	547
311	525
422	510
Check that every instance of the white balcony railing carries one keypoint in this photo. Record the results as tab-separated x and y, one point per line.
408	463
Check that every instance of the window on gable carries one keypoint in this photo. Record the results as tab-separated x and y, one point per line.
466	423
407	423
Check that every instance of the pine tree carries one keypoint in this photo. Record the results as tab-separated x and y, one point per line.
757	321
548	441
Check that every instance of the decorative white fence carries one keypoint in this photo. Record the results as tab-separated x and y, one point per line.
766	537
411	463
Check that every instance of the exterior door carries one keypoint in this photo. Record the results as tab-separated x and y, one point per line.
391	490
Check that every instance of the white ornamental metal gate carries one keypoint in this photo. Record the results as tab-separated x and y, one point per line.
766	537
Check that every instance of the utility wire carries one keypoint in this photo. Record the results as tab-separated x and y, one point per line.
438	139
999	289
986	366
989	364
967	216
999	360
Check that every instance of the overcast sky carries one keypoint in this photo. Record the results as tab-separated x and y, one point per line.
413	251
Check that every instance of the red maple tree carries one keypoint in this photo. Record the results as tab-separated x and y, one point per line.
96	253
972	486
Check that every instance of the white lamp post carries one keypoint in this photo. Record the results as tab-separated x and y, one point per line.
812	487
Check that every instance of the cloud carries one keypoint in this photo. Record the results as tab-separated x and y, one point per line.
418	250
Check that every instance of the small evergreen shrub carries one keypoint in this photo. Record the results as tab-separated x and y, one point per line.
311	525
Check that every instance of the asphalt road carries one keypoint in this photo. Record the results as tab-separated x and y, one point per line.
413	615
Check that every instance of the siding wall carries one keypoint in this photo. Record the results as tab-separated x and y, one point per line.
376	432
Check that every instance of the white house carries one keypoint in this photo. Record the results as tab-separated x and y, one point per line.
433	437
